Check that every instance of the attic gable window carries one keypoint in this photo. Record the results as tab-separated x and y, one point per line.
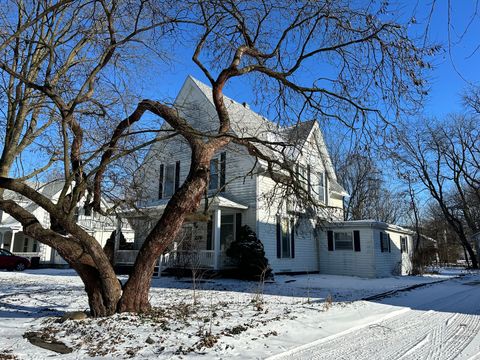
321	187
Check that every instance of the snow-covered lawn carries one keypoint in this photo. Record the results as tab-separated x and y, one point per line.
221	318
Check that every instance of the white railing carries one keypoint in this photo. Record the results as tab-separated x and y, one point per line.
180	258
27	254
125	256
191	259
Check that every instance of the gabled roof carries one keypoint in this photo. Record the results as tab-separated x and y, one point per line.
247	123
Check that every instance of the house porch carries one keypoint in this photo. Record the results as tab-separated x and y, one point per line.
202	243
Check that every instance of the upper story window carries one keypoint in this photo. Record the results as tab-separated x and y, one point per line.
322	189
217	173
303	177
169	180
213	184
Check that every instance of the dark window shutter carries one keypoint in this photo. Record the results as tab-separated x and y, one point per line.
356	240
238	225
279	238
223	167
330	240
389	243
160	182
209	235
381	241
292	237
177	175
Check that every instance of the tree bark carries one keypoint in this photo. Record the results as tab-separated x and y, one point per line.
99	304
186	200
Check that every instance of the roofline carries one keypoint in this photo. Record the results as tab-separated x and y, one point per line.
372	224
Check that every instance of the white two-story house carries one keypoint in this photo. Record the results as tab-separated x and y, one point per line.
13	239
241	192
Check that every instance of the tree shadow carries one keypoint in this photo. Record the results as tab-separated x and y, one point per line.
16	311
460	295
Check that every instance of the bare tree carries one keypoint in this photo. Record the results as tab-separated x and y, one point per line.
366	60
369	197
443	158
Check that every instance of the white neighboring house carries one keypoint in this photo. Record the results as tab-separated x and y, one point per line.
13	239
240	193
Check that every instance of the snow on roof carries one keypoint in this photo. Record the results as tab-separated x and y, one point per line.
247	123
371	223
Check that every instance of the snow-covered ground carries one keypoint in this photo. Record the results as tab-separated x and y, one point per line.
230	318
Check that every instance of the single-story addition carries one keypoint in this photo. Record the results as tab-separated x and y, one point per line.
243	192
365	248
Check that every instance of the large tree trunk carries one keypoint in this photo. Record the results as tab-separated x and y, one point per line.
99	303
186	200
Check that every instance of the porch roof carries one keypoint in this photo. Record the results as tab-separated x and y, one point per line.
213	203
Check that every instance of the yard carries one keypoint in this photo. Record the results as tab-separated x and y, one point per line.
218	318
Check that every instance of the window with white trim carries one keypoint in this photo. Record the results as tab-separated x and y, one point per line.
213	184
343	240
403	244
217	173
385	242
169	179
321	187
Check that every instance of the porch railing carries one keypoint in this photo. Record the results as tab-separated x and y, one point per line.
27	254
188	259
125	256
202	259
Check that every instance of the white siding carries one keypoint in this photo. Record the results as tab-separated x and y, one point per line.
394	262
306	246
348	262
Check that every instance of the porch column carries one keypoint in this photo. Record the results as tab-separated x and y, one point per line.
1	240
116	245
12	241
217	222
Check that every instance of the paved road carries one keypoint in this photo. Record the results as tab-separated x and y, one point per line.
443	323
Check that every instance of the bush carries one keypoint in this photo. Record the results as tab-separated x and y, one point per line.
249	254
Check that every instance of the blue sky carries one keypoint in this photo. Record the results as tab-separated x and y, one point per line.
456	64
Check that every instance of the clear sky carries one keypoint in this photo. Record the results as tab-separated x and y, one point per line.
457	63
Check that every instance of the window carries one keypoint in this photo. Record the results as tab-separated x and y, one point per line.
321	187
169	185
343	240
213	185
217	173
302	177
384	242
227	231
285	238
169	180
403	244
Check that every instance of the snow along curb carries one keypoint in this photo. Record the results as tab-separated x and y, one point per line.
328	338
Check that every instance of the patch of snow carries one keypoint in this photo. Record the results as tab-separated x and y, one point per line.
221	318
